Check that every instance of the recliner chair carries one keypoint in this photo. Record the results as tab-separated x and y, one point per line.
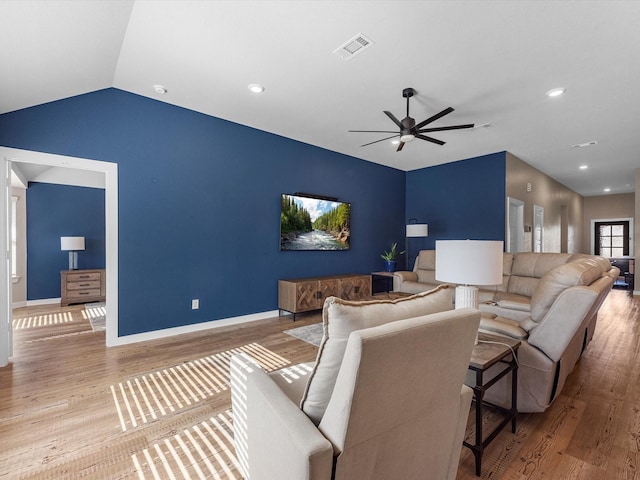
398	409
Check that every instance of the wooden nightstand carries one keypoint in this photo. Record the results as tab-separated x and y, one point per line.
82	286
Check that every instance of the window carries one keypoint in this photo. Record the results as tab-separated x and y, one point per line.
14	235
611	238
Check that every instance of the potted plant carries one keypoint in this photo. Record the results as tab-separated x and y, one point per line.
390	257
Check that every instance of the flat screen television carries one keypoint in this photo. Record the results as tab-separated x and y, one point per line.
314	223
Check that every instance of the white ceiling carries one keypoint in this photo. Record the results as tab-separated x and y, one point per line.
491	61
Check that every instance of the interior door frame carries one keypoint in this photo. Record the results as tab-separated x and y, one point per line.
6	334
110	171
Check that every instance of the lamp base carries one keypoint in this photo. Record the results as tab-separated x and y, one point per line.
467	297
73	260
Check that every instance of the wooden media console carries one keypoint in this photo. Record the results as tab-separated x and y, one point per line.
307	294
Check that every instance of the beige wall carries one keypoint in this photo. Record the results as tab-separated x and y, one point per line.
19	288
563	208
605	207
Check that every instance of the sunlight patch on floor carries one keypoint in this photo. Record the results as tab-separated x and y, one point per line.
45	320
146	398
202	451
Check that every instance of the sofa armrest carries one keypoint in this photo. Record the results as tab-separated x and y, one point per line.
403	276
502	326
273	437
554	333
510	313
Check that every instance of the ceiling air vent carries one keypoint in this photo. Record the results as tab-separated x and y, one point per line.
586	144
353	47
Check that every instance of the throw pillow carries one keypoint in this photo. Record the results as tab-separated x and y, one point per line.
341	317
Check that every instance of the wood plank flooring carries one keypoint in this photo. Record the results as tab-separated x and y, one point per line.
70	408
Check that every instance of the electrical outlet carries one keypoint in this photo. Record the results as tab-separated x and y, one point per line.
195	304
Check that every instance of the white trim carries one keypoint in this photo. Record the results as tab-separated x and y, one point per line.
6	330
43	301
593	226
110	171
195	327
37	303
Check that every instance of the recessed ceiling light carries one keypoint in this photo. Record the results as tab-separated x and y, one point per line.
160	89
256	88
583	167
607	189
556	92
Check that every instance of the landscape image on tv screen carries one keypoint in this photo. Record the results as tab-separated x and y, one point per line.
308	223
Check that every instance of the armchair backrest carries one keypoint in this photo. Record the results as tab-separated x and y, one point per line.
393	411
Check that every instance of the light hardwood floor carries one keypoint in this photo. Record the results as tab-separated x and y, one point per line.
70	408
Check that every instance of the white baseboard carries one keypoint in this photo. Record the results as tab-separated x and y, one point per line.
636	292
35	303
197	327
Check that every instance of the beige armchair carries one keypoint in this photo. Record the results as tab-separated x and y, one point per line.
398	408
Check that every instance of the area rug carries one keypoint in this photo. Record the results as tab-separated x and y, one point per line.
97	315
309	333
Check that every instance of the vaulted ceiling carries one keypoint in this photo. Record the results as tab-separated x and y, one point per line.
491	61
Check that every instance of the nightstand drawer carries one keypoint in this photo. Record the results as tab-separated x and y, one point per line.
83	285
83	277
75	294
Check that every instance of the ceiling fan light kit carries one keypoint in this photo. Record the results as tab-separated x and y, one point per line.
409	130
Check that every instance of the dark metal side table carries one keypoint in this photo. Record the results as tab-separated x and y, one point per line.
483	357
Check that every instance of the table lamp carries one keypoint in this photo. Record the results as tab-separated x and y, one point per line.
469	263
72	244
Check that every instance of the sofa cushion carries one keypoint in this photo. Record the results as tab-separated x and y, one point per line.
340	318
554	282
529	267
426	260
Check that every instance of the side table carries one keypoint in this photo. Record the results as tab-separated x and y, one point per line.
485	355
381	282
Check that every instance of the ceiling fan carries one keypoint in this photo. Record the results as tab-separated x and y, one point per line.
409	130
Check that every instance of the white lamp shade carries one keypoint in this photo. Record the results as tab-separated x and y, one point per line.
72	243
417	230
469	262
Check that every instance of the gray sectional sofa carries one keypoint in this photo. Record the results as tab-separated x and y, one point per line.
549	301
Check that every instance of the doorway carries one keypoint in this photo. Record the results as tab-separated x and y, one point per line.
538	228
110	171
515	225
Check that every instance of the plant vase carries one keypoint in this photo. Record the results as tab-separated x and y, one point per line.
390	265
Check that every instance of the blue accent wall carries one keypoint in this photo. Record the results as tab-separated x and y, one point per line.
459	200
199	203
55	211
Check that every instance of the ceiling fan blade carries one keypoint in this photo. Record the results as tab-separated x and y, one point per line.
381	140
444	112
452	127
393	118
373	131
429	139
400	145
